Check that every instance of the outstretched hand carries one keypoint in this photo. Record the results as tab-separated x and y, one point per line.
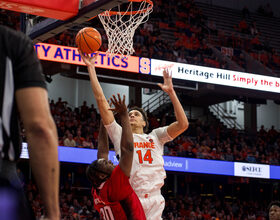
88	60
120	106
167	86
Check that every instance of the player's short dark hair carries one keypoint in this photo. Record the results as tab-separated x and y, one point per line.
97	166
276	203
144	115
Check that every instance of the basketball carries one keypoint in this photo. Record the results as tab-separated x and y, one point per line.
88	40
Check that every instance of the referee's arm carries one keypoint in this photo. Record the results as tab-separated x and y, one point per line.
33	106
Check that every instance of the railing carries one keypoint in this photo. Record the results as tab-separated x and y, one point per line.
156	101
226	118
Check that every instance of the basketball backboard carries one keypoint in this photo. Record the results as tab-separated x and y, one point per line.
48	27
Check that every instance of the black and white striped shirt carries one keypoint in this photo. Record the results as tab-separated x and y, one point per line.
19	68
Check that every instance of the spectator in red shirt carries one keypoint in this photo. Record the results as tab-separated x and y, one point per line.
255	42
195	42
243	26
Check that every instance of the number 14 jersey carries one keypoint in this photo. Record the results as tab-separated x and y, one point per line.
147	173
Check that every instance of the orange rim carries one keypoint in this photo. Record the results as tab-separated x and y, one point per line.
109	13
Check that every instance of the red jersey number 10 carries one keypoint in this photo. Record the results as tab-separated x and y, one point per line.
147	156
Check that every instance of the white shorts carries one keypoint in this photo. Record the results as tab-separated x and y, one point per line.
153	205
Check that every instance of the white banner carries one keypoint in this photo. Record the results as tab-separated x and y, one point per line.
216	76
251	170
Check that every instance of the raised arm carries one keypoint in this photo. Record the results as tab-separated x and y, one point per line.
103	143
42	141
103	106
181	123
127	137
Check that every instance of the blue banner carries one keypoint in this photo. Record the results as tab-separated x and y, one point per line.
210	167
178	164
275	172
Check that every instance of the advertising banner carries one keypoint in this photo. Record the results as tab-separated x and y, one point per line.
251	170
216	76
64	54
177	164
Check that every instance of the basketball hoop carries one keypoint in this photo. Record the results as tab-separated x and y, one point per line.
120	24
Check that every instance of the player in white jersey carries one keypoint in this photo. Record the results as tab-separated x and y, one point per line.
147	174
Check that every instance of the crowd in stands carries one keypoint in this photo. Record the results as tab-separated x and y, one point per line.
188	41
197	207
79	128
76	203
247	36
207	141
251	43
190	34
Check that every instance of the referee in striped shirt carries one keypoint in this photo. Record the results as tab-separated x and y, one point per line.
23	95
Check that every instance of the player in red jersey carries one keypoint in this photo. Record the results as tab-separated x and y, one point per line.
114	198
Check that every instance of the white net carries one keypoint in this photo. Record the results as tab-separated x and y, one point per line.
120	25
